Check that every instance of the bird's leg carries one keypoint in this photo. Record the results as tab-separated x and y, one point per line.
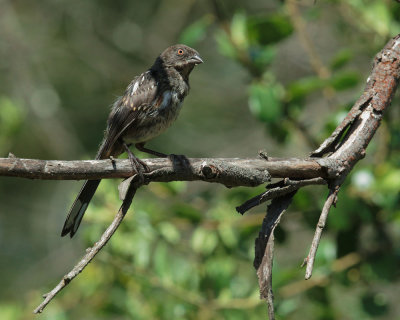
137	164
175	158
140	147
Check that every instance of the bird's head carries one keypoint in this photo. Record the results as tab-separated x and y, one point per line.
180	57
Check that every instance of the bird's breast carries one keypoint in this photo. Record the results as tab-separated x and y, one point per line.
162	112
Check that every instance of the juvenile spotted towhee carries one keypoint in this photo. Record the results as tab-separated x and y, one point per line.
150	104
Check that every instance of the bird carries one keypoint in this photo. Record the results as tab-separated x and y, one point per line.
150	104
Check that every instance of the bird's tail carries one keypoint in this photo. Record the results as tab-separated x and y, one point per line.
78	209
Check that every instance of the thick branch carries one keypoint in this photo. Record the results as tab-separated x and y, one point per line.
229	171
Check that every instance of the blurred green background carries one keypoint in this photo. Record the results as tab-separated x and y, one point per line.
279	76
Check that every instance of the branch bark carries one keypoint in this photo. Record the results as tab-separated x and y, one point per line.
228	171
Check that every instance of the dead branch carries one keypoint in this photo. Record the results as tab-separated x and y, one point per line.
330	201
91	252
228	171
277	190
347	145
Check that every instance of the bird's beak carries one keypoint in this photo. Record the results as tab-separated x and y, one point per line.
196	59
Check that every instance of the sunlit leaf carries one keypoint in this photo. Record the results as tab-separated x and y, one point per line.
265	101
169	232
304	86
345	80
225	45
239	30
265	30
228	236
196	31
341	58
204	241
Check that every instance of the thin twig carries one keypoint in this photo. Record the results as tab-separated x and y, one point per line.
339	265
284	187
91	252
264	249
269	293
331	200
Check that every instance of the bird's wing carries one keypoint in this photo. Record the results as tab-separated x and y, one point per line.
140	95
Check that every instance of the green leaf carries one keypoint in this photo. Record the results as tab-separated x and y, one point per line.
188	212
10	311
265	30
162	260
262	56
204	241
228	236
239	30
340	59
196	31
301	88
265	101
377	16
225	45
220	270
390	182
345	80
11	122
169	232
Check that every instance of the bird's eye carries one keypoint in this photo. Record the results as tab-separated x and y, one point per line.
180	52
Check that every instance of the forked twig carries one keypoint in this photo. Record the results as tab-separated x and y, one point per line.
278	190
91	252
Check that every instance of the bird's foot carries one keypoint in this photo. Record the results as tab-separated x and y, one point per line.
138	165
179	160
140	147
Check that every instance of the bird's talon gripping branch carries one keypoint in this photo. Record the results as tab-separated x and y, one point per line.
179	160
138	165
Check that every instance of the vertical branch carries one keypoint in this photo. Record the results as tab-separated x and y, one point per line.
269	293
331	200
264	248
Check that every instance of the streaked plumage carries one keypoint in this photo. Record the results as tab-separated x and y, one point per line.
150	104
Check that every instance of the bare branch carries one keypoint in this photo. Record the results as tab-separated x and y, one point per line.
366	114
91	252
269	256
284	187
331	200
350	139
227	171
264	249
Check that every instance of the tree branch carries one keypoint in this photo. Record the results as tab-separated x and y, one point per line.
277	190
91	252
330	201
228	171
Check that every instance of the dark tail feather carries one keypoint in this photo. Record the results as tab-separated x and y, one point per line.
78	209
